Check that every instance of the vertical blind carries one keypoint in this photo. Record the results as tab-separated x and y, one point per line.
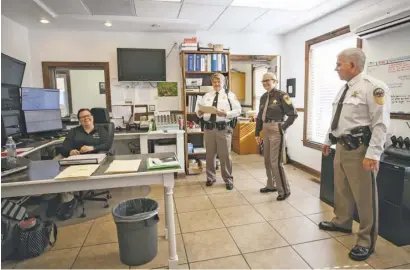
324	84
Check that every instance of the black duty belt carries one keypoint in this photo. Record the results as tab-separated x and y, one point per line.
359	136
217	125
270	121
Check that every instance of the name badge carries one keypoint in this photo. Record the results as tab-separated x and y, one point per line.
96	135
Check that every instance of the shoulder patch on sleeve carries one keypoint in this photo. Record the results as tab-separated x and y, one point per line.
378	95
287	99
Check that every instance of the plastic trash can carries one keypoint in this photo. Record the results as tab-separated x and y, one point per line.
136	221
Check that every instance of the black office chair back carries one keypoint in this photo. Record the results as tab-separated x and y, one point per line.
102	117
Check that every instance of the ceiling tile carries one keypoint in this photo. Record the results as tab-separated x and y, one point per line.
237	18
24	12
209	2
272	20
203	15
110	7
155	9
62	7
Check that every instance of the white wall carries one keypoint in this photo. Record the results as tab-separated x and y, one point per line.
101	47
293	66
15	43
85	89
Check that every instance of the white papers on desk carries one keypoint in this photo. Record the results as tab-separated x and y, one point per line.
82	159
77	171
207	109
124	166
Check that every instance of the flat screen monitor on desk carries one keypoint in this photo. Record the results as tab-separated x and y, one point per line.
10	97
43	121
33	99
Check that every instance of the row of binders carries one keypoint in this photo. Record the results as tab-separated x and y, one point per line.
191	103
212	62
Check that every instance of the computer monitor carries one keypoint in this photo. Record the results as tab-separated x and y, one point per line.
43	121
33	99
10	97
11	122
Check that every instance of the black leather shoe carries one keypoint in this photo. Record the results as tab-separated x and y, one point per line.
229	186
359	253
266	190
282	197
329	226
66	210
210	183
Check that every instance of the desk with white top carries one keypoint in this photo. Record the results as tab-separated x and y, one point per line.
127	135
39	179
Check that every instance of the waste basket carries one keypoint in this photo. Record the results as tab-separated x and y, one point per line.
136	221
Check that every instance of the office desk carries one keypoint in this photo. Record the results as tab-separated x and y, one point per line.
127	135
39	179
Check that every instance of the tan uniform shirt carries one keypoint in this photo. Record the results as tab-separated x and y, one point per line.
367	103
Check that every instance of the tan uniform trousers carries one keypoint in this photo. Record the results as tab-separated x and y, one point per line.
355	185
273	141
218	142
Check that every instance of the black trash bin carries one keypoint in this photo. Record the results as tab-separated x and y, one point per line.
136	221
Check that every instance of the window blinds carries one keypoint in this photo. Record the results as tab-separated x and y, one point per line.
324	84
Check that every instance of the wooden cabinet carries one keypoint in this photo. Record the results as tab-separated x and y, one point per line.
238	84
243	139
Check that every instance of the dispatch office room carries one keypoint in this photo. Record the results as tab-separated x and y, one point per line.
142	68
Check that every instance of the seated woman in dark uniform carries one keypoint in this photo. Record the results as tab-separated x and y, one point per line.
84	139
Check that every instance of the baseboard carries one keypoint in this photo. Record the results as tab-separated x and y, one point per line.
306	169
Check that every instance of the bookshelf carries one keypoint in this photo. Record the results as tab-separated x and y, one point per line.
199	71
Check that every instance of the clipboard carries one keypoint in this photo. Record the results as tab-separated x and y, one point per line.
207	109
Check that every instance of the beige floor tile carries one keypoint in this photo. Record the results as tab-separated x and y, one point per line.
256	237
309	205
161	260
99	257
254	196
8	264
157	192
276	210
188	191
208	245
191	204
407	248
200	221
161	204
223	200
327	216
298	230
73	235
187	181
218	187
278	258
240	174
234	262
240	215
386	254
161	225
406	266
260	174
102	233
105	218
327	253
248	184
58	259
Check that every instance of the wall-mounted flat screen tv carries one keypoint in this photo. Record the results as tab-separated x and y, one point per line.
141	64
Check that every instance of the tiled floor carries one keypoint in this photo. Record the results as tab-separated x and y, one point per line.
220	229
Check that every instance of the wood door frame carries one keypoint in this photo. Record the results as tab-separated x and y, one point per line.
47	68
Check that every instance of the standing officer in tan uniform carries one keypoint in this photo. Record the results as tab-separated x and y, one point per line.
361	116
218	129
273	107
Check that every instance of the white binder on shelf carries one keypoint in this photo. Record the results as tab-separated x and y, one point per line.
82	159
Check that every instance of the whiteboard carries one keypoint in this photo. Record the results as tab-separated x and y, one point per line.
395	72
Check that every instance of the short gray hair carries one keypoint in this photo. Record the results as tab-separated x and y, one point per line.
356	56
270	75
220	76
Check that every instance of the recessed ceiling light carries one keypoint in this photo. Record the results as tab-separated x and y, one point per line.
108	24
167	0
289	5
155	25
44	21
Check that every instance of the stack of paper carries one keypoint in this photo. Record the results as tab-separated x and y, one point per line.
162	163
124	166
82	159
78	171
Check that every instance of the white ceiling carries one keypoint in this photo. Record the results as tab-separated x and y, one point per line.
140	15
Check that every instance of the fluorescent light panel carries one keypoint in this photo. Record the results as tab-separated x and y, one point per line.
167	0
289	5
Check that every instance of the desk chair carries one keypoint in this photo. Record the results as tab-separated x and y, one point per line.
101	118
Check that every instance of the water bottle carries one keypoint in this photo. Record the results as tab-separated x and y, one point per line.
11	150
